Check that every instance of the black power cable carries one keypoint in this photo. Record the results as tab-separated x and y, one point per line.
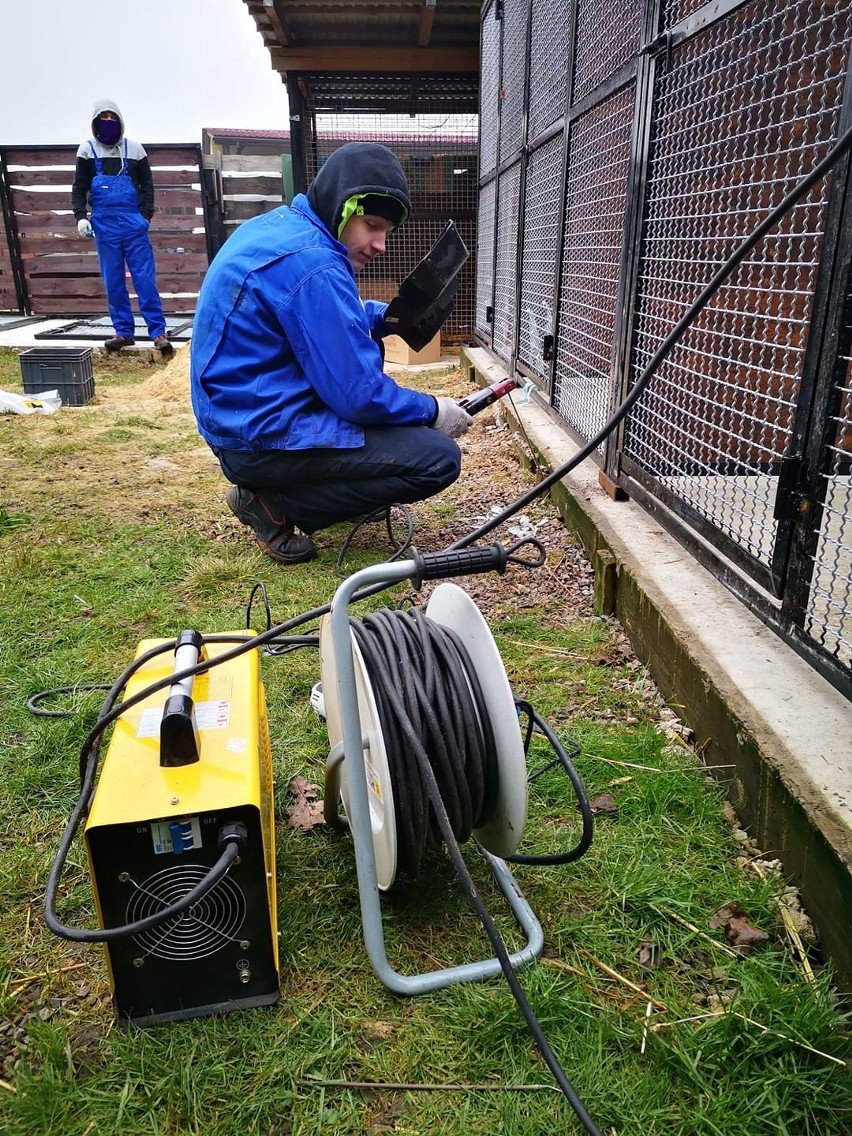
443	768
721	275
438	702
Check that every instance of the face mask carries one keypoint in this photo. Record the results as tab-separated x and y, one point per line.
107	130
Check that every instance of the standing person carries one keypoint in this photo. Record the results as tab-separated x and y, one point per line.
287	381
113	175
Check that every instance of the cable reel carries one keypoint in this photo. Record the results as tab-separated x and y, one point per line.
362	768
487	693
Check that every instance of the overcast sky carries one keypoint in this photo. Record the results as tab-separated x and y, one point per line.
173	67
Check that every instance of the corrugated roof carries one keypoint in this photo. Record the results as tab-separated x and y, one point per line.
407	55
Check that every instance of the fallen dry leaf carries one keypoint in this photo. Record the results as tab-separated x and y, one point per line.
649	956
741	935
306	811
603	803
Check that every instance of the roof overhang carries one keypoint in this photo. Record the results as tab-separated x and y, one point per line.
405	56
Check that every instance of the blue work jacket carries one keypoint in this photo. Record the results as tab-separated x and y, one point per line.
281	353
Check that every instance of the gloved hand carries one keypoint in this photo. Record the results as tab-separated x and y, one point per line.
84	228
452	420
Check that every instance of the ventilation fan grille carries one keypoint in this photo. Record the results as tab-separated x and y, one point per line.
209	925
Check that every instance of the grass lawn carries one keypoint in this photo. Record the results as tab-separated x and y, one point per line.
113	529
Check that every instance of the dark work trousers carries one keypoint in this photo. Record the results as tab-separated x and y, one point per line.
317	488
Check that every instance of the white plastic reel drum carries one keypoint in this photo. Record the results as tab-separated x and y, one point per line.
379	785
453	608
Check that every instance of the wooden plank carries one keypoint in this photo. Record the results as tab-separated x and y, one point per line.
264	185
24	201
66	265
169	197
175	223
90	287
245	210
253	163
60	156
194	263
41	245
179	282
41	177
47	224
179	156
67	306
79	286
175	177
390	60
188	242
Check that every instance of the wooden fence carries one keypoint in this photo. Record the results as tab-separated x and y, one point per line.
47	269
244	185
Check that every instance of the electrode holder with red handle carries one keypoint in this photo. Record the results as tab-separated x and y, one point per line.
475	402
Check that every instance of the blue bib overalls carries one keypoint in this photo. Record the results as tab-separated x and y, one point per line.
121	235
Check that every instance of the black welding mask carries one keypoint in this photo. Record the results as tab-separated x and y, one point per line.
426	295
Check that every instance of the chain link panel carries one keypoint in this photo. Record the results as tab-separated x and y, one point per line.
506	271
513	77
485	260
738	118
598	169
489	84
829	616
540	253
550	41
608	35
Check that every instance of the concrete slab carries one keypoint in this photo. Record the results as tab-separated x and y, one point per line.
20	338
754	704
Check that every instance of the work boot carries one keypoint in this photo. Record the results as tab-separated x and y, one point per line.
276	535
118	341
163	345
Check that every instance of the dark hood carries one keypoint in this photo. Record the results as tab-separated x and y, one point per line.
107	104
357	167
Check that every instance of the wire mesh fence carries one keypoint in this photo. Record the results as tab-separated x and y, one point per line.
655	139
438	153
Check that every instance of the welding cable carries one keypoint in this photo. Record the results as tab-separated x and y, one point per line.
426	709
34	703
721	275
439	693
536	722
385	514
232	843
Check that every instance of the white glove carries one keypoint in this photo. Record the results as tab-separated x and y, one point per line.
452	420
84	228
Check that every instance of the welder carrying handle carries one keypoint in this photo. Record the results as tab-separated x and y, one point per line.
472	561
179	743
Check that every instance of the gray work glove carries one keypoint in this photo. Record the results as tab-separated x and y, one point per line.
84	228
452	420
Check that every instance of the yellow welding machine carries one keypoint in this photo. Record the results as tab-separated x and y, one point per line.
153	833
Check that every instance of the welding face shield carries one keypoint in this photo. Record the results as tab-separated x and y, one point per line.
425	297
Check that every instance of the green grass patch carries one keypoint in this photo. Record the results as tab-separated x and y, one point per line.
112	530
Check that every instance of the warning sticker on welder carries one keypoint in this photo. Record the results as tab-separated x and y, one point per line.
215	715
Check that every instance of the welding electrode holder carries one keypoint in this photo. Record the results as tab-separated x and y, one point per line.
473	403
179	743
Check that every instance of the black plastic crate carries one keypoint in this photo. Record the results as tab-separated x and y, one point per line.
65	369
